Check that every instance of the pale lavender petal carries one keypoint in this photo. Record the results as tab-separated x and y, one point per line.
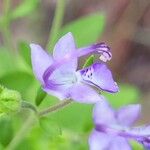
127	115
100	76
141	134
62	79
84	94
59	83
99	141
61	95
119	143
66	46
142	130
40	61
103	113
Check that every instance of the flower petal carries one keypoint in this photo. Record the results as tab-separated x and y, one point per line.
119	143
99	141
40	61
103	113
62	79
61	95
65	46
141	134
100	76
84	94
127	115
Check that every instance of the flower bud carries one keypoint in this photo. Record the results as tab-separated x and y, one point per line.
10	101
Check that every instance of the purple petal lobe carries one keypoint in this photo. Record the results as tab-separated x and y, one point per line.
99	141
40	61
84	94
100	76
127	115
119	143
103	113
141	134
61	95
65	46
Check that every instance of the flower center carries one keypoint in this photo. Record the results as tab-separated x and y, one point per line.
88	73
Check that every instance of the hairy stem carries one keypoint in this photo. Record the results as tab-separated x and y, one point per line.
25	104
56	25
27	126
54	108
21	133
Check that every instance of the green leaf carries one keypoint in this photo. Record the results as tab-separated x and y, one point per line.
86	30
7	61
24	9
11	62
50	127
1	147
25	52
89	61
18	80
76	117
127	94
6	133
40	96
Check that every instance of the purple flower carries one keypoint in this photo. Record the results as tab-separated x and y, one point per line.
113	128
59	76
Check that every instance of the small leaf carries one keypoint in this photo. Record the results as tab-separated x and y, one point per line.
25	8
86	30
25	52
40	96
89	61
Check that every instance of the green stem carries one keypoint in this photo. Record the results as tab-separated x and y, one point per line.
25	104
22	133
54	108
30	122
56	25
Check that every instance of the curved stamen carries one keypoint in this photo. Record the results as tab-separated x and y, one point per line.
100	48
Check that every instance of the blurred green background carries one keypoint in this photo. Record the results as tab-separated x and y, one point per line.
123	24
